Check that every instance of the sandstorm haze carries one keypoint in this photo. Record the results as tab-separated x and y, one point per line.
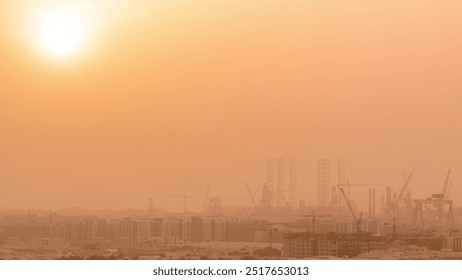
169	97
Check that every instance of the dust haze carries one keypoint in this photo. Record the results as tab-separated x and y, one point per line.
184	97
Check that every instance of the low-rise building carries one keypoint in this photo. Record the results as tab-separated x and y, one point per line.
306	245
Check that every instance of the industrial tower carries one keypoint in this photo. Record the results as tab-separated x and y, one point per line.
274	194
293	183
280	200
340	182
323	182
269	191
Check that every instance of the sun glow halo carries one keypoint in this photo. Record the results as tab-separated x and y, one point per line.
60	33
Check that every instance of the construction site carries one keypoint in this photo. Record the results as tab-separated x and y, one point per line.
337	227
393	224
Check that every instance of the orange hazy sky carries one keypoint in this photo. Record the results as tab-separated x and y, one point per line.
173	96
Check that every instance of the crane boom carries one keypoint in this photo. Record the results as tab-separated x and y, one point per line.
251	195
446	183
349	205
402	190
357	221
348	185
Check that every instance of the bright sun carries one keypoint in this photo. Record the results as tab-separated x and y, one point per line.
60	33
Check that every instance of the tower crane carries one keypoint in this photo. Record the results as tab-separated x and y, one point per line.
443	194
437	200
356	219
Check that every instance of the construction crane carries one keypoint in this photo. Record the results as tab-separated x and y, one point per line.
398	199
371	194
356	219
443	194
348	185
313	220
438	204
185	197
438	200
451	182
446	184
252	196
